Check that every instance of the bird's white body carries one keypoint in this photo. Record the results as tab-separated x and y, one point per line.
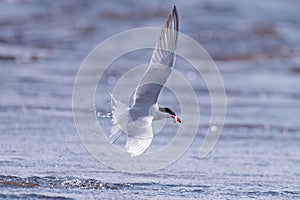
136	120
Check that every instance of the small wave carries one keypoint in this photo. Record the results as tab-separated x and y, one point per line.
59	182
194	188
274	194
20	58
31	196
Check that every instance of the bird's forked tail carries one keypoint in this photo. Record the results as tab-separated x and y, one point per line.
119	118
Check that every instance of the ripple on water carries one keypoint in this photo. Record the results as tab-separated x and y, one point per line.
31	196
59	183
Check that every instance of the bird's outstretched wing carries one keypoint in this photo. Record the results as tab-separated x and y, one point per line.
160	68
140	136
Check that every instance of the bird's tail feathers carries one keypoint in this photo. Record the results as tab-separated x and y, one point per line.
119	118
115	133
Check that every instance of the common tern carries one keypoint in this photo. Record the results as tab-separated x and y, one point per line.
137	120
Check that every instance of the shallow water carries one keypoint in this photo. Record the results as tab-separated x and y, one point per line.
256	48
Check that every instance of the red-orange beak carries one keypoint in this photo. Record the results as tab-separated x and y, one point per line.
176	118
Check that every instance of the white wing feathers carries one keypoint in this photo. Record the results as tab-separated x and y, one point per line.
140	136
140	133
162	61
137	146
167	42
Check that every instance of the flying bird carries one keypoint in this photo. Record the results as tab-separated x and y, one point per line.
137	119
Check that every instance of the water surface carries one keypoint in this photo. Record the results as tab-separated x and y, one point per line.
256	48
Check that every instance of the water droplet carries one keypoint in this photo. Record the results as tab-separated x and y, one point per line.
191	75
111	80
213	128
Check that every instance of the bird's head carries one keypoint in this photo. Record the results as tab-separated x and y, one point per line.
171	112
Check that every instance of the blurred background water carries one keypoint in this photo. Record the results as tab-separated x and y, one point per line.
256	46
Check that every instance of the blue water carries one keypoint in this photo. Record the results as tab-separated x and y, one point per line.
256	47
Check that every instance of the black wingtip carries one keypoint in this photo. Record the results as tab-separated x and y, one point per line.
174	16
174	11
